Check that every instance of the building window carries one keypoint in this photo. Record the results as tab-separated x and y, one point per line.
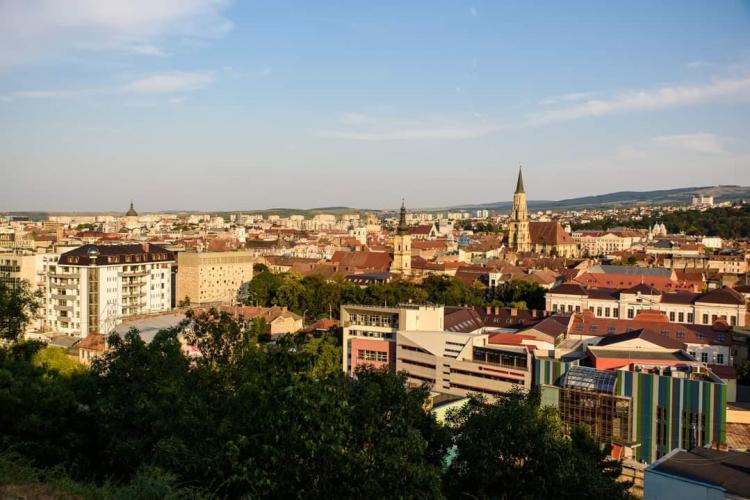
689	317
671	316
720	359
578	309
704	357
705	319
616	312
721	337
733	320
372	355
598	311
680	334
631	313
681	317
606	312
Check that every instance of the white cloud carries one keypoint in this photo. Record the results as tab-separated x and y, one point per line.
49	94
701	142
571	97
735	90
354	118
177	81
473	11
35	30
423	132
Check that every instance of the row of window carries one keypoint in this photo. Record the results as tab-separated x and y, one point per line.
368	355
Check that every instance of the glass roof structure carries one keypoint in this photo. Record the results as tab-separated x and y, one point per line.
589	379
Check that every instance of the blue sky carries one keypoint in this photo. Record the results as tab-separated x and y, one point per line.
219	105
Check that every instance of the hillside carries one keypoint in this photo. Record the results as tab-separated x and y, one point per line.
627	198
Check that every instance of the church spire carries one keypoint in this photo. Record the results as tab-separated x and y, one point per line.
519	185
402	227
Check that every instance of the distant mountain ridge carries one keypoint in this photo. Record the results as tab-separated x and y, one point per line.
626	198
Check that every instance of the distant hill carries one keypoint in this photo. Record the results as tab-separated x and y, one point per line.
626	198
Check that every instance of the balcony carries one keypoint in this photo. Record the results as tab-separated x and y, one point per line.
133	274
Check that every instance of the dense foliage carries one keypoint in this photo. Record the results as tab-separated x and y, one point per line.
515	448
317	297
17	306
725	222
248	419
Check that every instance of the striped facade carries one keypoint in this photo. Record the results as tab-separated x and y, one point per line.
665	412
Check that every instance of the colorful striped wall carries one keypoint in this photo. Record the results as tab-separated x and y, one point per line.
649	392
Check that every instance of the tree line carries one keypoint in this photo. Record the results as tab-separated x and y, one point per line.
247	419
316	296
725	222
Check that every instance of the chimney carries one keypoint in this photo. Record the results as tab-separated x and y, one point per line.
145	246
513	312
497	310
488	310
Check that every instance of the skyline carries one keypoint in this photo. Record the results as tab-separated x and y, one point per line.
222	105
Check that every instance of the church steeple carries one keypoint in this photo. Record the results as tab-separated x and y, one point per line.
401	263
131	211
519	184
402	227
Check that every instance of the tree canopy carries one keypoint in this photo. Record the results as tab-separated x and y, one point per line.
255	419
317	297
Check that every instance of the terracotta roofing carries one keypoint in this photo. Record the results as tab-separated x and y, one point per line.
722	296
553	325
93	342
461	319
549	233
421	229
372	261
585	323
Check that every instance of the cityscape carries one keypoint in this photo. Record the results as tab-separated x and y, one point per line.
201	298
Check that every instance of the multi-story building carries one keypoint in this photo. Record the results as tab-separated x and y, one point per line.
463	363
369	332
212	277
94	287
643	412
605	242
681	307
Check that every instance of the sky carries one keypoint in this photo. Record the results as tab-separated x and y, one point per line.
221	105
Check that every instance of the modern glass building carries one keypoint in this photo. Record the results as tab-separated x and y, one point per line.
643	414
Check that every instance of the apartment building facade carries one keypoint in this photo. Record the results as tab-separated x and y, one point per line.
91	289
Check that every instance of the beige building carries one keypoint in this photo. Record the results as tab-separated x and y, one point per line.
212	277
402	247
519	237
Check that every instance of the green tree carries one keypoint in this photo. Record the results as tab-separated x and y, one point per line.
18	304
514	448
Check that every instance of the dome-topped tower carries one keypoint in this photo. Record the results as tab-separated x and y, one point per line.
131	211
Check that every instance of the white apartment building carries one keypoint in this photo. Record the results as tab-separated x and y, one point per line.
93	288
680	307
605	242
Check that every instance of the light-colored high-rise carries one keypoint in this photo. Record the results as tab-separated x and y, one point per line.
94	287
